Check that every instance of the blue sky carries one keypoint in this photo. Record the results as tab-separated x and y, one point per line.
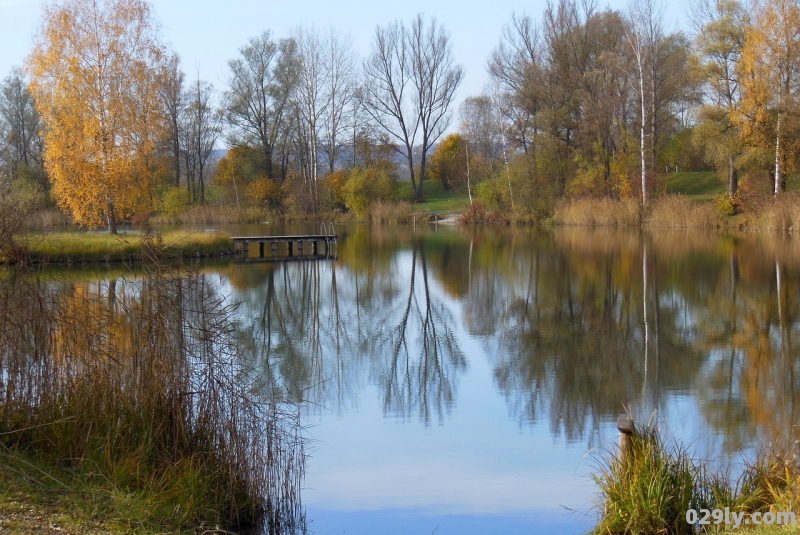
207	33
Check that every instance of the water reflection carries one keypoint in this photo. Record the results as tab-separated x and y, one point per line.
576	325
316	327
433	363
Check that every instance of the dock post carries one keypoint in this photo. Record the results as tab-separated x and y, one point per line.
245	249
291	248
300	247
626	431
274	249
261	249
314	247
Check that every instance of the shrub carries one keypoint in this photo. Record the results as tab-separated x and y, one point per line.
491	195
726	205
366	186
265	192
174	201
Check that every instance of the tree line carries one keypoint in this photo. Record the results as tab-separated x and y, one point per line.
582	102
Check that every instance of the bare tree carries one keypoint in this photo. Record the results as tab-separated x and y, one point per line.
201	129
661	71
260	85
480	125
410	80
323	95
171	92
516	66
341	80
20	142
311	98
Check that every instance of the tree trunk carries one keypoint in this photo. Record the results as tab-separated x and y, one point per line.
777	174
733	178
111	217
410	158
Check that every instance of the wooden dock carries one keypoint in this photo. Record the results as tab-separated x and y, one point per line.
299	247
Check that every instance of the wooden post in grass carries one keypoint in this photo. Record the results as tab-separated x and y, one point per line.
626	431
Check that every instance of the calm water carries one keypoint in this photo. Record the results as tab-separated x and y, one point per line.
459	381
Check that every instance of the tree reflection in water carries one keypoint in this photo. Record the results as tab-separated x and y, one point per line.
576	325
322	330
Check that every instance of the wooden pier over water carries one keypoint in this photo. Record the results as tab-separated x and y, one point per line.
300	247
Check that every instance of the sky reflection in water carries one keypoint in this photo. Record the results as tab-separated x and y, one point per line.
464	381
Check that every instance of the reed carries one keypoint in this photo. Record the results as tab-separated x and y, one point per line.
138	387
777	214
649	489
598	213
396	213
678	211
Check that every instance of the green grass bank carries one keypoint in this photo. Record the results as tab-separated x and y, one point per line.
77	247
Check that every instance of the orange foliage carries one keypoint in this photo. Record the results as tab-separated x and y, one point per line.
95	70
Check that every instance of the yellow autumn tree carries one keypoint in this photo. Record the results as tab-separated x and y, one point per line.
770	74
449	162
95	70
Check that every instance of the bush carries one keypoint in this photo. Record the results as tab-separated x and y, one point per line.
726	205
174	201
366	186
490	193
265	192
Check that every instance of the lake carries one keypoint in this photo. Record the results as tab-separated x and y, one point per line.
468	380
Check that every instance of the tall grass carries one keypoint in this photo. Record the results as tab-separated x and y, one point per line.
398	212
678	211
781	213
650	489
598	212
138	386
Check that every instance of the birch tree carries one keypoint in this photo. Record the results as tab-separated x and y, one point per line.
95	72
770	67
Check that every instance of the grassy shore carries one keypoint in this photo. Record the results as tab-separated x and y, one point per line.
37	498
131	401
76	247
437	199
651	487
